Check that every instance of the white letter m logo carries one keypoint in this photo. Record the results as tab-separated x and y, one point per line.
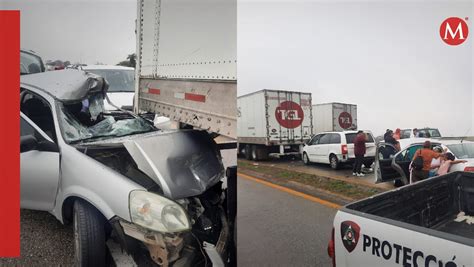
453	35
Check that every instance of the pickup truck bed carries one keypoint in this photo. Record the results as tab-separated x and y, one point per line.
431	204
409	226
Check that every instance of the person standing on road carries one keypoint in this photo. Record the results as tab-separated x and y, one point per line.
359	152
435	163
397	134
416	133
388	138
427	154
446	162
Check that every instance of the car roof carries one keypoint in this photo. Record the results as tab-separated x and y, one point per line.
345	132
105	67
66	85
420	140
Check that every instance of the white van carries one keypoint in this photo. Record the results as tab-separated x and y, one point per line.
336	148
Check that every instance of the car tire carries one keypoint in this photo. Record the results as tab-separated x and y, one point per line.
248	152
398	183
254	153
89	235
334	162
368	163
306	160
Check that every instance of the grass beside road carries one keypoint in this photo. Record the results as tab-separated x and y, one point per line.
283	177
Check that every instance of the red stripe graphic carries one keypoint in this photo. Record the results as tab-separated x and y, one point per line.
154	91
195	97
10	162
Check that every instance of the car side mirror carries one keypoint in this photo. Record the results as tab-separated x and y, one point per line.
48	146
28	143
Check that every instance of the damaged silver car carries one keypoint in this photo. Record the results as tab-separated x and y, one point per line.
160	194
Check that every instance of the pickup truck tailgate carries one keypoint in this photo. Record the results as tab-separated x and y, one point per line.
410	226
363	241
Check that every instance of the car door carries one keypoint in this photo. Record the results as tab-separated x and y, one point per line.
384	172
311	148
322	148
39	167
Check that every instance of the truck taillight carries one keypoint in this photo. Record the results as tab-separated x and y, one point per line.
469	169
344	149
332	249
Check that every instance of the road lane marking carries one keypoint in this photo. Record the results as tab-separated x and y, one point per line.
291	191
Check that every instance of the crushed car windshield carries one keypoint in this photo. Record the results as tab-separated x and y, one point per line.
85	121
462	151
119	80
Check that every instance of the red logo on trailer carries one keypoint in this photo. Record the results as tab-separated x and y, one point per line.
289	114
350	233
454	31
345	120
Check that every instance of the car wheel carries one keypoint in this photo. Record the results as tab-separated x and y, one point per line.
248	152
89	235
334	162
368	163
398	183
254	153
306	159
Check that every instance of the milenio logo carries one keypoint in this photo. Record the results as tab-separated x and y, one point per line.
350	233
454	30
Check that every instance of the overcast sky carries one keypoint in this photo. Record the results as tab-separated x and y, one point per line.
91	31
386	57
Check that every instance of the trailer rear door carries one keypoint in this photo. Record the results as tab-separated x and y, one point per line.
289	116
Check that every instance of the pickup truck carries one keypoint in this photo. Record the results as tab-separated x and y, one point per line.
415	225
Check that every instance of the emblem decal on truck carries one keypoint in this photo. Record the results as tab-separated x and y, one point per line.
350	235
289	114
345	120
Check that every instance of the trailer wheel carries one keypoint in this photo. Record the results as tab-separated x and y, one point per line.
334	162
254	153
306	159
248	152
89	235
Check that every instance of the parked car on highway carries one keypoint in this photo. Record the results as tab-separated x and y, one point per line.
392	165
121	83
423	132
30	62
336	148
115	176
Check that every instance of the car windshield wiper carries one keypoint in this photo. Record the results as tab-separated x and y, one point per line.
90	138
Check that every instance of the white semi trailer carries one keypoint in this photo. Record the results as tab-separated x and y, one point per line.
273	122
186	71
334	117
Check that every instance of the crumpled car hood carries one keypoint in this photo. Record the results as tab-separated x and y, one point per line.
182	163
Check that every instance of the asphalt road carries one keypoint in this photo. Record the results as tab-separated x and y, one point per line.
44	241
276	228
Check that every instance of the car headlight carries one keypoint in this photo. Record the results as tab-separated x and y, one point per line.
157	213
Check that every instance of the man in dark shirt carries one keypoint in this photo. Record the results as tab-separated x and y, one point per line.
388	138
359	152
